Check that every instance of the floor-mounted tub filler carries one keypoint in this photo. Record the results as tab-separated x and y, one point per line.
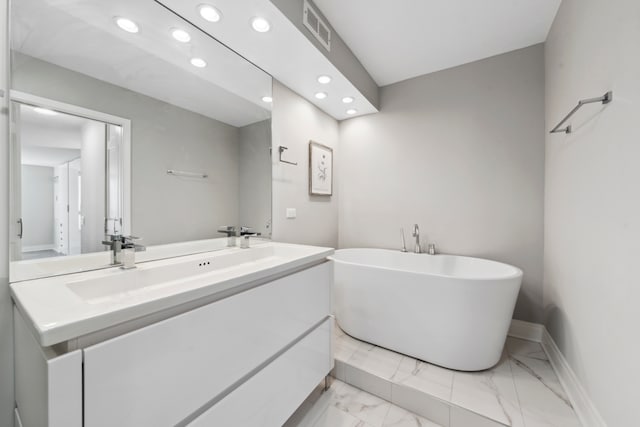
448	310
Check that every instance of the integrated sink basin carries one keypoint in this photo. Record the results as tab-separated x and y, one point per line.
69	306
118	283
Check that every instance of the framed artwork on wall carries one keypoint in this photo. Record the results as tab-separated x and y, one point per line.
320	169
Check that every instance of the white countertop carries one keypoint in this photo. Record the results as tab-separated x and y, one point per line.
61	265
65	307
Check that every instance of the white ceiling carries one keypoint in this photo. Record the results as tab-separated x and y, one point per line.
400	39
29	116
284	52
81	35
49	140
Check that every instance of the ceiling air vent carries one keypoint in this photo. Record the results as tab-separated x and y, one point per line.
317	26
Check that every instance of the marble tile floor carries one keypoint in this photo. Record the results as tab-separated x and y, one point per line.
346	406
521	391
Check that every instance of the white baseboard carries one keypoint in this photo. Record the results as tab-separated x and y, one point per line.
582	404
526	330
36	248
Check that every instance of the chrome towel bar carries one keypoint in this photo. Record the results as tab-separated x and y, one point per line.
605	99
187	174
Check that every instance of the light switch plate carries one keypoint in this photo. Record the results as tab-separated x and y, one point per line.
291	213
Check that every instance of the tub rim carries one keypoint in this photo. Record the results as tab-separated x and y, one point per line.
517	273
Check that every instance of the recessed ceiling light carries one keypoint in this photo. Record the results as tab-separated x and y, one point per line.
321	95
347	100
180	35
210	13
261	25
351	111
198	62
324	79
267	99
127	24
45	111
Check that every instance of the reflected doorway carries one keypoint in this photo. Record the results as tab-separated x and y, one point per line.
66	172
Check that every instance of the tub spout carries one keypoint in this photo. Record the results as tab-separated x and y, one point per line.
416	234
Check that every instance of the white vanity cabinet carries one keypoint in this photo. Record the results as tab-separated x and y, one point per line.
254	356
49	386
268	397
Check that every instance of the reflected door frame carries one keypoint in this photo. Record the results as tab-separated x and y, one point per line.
125	158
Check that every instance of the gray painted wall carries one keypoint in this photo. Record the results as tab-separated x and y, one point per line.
592	208
295	122
255	177
164	208
6	326
340	55
37	207
461	153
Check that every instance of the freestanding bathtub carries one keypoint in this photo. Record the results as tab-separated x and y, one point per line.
447	310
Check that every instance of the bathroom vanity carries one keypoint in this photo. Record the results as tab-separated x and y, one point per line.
231	337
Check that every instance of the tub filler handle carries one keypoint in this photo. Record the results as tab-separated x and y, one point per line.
404	244
432	249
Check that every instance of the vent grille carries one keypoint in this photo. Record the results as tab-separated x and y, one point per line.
317	26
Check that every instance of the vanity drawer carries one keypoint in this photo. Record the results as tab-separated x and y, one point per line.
163	373
270	397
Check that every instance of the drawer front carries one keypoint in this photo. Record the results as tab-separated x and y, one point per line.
161	374
271	396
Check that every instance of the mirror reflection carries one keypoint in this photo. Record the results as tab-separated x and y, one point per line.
127	120
69	182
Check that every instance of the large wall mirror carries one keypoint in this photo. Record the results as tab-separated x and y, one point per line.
127	119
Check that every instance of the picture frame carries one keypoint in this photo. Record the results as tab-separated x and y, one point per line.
320	169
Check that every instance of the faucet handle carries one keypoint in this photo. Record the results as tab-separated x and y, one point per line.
128	242
113	238
244	231
431	249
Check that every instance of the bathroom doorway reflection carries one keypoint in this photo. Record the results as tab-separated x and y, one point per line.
66	173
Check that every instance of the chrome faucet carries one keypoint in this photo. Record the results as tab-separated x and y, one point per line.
245	234
231	233
129	249
123	250
416	234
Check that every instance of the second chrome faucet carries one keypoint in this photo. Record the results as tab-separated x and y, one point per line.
417	248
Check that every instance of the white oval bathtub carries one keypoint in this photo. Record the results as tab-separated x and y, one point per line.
448	310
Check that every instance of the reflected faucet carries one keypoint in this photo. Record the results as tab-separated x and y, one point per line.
416	234
123	250
115	246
